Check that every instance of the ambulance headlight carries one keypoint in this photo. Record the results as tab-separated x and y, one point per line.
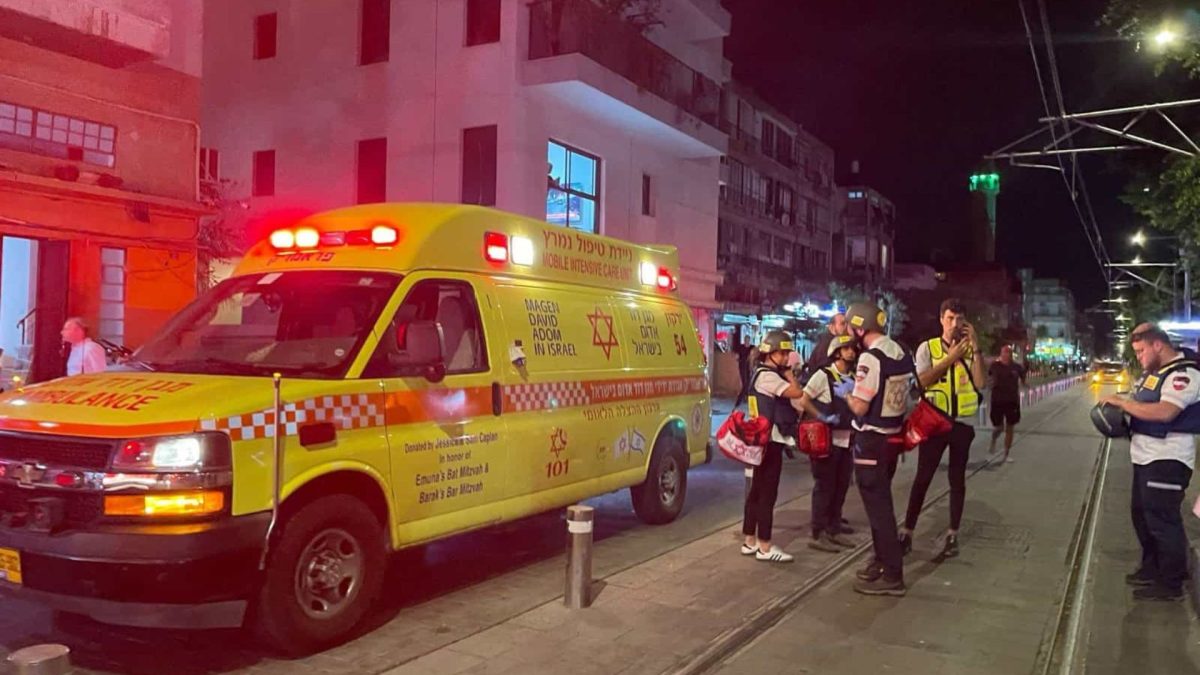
193	452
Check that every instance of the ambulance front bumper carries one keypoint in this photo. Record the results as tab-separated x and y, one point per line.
197	575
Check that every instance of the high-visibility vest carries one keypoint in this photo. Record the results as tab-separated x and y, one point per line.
955	393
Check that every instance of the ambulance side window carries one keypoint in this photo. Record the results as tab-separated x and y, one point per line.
452	305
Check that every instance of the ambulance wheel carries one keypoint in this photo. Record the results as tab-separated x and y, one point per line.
325	570
659	499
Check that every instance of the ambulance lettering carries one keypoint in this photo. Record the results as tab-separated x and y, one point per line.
543	316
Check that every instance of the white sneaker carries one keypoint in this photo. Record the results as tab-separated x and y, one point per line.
749	550
776	554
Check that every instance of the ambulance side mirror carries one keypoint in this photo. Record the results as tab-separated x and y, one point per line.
426	350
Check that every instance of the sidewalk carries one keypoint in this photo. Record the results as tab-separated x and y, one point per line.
652	617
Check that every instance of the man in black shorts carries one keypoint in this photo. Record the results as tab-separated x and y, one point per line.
1006	378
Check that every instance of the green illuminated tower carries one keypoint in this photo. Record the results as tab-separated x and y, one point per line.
985	187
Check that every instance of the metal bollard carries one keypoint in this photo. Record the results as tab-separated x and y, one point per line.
579	558
50	659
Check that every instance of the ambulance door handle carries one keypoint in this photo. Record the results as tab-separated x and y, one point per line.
497	401
317	433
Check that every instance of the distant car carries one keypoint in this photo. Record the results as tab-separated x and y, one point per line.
1110	372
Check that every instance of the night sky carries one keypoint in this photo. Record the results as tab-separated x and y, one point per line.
919	91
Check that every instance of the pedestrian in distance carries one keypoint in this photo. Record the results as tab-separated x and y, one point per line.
745	355
879	401
85	356
950	369
825	399
772	391
819	356
1164	415
1005	378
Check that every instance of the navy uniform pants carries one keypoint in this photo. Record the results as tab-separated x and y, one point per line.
874	467
1158	489
831	482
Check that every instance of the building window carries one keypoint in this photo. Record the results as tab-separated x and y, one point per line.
573	189
479	166
263	179
647	195
372	171
46	133
483	22
375	29
266	29
112	294
210	165
768	138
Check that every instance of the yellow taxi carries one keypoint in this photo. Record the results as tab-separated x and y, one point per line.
1110	372
369	379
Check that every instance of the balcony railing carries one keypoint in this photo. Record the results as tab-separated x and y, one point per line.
559	27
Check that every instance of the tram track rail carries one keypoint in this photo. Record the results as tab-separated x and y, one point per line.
733	641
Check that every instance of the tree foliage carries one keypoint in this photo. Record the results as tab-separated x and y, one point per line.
1140	20
844	295
222	236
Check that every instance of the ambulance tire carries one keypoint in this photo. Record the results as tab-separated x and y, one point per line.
354	535
659	499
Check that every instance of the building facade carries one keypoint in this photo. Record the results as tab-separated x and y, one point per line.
554	109
864	236
99	207
776	213
1049	309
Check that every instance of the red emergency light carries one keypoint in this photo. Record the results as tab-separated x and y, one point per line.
308	238
495	247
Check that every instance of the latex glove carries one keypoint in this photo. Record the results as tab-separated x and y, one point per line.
830	419
842	389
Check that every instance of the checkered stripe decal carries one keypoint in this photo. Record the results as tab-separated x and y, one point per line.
347	411
545	396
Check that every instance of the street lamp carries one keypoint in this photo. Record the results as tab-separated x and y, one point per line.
1165	37
1137	260
1138	239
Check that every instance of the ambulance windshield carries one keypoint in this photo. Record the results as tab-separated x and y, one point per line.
299	324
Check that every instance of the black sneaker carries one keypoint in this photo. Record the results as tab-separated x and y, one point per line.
881	586
843	528
872	571
949	547
842	540
1158	592
906	542
1140	578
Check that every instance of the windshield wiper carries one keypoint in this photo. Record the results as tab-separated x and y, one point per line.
136	363
212	366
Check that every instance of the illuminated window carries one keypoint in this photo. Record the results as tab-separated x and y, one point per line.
573	188
112	295
46	133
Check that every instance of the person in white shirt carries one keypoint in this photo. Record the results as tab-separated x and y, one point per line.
831	474
1165	415
774	394
86	356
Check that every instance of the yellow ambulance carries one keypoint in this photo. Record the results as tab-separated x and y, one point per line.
369	379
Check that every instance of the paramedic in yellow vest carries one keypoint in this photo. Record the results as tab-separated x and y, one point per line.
950	368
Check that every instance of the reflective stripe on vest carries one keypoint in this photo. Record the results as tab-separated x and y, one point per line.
1149	390
955	393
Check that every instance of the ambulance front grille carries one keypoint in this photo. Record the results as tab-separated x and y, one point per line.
79	508
56	451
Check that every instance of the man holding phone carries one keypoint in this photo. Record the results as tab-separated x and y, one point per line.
950	369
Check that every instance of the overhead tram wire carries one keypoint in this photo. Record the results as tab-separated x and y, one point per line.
1090	229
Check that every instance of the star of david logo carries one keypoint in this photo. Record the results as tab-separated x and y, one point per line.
602	332
558	441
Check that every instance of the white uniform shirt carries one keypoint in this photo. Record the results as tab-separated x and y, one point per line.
1181	389
818	390
86	357
895	390
924	362
770	383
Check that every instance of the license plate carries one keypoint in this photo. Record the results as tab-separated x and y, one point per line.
10	565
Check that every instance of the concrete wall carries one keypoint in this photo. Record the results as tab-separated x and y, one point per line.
312	103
